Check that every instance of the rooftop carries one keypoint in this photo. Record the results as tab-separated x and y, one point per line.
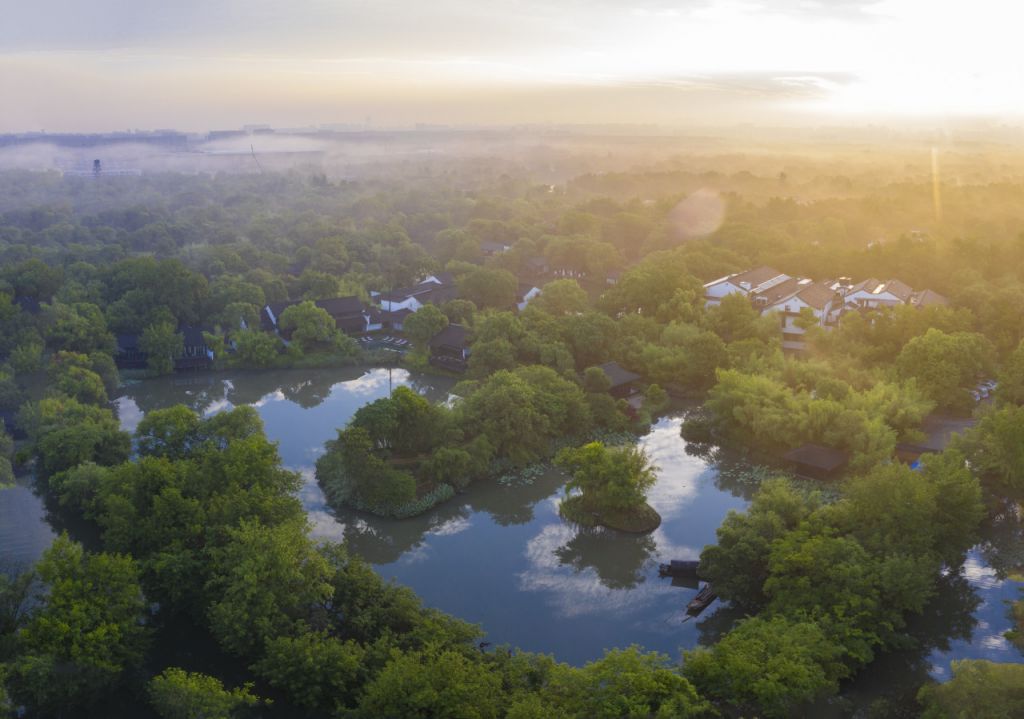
756	277
618	375
816	295
451	336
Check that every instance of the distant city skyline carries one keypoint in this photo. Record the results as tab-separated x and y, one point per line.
85	67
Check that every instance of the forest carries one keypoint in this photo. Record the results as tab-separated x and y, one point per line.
193	519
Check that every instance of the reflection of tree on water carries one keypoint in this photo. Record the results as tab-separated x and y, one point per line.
513	505
889	685
199	392
1003	540
383	541
617	558
712	627
306	388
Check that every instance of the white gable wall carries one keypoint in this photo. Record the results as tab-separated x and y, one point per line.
715	291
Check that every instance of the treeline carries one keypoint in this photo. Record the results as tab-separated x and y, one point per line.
204	523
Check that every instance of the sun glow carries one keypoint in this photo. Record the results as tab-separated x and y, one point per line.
456	61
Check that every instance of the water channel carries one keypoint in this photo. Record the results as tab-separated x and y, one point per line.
501	556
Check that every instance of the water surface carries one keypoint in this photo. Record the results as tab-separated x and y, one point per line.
502	557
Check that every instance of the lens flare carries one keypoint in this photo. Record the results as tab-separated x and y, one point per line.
698	215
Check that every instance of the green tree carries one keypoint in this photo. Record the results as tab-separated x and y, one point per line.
994	447
450	465
6	452
177	694
434	685
266	581
314	285
978	689
946	366
596	381
735	318
64	433
79	327
237	315
1011	378
623	683
85	631
561	297
168	432
70	376
423	324
318	672
767	667
311	327
257	349
459	311
489	356
486	287
27	358
608	478
163	344
737	565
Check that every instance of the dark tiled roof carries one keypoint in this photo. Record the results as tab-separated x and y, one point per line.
816	295
781	291
451	336
341	306
618	375
756	276
127	342
899	289
404	293
926	298
193	336
868	285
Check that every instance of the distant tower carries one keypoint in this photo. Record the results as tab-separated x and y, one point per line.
96	168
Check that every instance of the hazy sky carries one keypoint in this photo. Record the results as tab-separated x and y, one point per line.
197	64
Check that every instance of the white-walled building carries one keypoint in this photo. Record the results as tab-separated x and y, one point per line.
772	291
743	283
817	297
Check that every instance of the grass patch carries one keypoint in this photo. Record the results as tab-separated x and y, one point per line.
636	519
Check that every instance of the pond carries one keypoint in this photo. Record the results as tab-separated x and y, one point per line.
501	556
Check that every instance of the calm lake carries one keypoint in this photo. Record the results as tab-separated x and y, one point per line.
501	556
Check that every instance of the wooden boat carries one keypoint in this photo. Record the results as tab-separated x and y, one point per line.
679	568
701	601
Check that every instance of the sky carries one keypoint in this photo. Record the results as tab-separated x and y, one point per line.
69	65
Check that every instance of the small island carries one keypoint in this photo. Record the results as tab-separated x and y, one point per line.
611	486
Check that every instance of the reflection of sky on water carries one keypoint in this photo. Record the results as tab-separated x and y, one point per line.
129	413
452	526
573	592
992	619
374	381
679	474
981	575
275	396
528	578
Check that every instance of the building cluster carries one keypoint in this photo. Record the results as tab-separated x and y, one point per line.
385	312
772	291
